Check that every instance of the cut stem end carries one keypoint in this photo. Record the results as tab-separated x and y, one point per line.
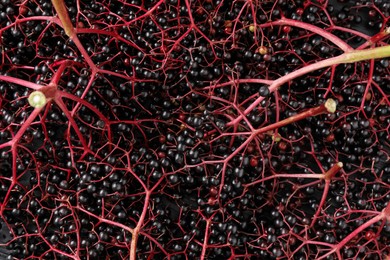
330	105
37	99
332	171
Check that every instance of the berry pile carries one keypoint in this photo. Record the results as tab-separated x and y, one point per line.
194	129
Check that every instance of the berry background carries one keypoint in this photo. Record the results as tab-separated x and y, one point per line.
145	148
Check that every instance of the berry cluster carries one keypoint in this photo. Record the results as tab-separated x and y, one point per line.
203	129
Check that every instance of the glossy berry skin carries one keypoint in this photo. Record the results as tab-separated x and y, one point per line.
174	130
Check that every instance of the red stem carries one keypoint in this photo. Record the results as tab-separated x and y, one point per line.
206	235
300	72
91	107
339	245
73	123
309	113
325	34
322	202
13	143
323	108
21	82
134	240
62	12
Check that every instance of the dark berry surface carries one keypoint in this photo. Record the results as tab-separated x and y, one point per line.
146	145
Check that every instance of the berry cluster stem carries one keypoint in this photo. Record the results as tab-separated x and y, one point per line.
347	57
62	12
328	107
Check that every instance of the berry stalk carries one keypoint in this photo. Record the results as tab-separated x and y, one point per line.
62	12
328	107
348	57
328	177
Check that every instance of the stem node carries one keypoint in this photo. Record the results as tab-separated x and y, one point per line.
332	172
